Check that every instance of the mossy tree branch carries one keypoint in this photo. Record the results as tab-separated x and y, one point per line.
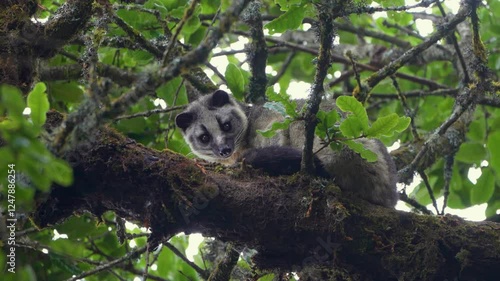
327	33
257	55
171	194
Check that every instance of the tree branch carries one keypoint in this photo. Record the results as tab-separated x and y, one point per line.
257	55
392	67
172	194
326	40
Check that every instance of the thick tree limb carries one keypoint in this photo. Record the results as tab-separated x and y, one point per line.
291	221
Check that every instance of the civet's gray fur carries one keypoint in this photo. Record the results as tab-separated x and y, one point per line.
220	129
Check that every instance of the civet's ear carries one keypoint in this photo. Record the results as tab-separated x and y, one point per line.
184	120
219	98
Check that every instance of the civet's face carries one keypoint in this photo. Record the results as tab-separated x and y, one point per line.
213	126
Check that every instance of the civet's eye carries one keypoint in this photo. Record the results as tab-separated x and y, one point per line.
226	127
205	138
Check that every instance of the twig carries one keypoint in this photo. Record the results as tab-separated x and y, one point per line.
326	40
339	59
489	101
202	272
170	117
409	32
460	107
216	71
27	231
356	72
448	172
137	36
371	10
423	175
117	275
393	66
151	112
286	63
453	39
343	77
418	94
74	71
408	111
370	33
412	202
231	52
188	13
135	271
146	265
108	265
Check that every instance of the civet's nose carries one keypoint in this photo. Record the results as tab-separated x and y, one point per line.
225	151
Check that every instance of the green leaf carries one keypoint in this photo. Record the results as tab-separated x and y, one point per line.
421	195
400	18
328	119
235	81
283	98
286	4
389	3
276	106
290	20
351	127
276	126
61	172
351	104
193	23
11	99
327	122
403	123
67	92
477	129
492	208
166	257
457	183
365	153
168	92
383	126
78	227
39	104
196	37
23	273
472	153
455	201
157	5
64	263
209	6
494	149
483	190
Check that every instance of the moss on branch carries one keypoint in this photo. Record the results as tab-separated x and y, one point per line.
292	221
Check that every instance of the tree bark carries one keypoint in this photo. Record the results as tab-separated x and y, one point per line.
294	222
